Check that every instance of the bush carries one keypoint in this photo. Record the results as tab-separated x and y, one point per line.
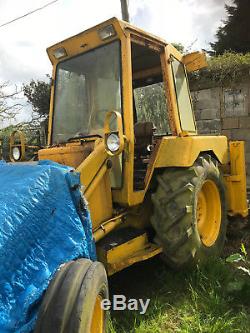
224	69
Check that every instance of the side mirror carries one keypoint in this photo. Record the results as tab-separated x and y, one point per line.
195	61
17	146
113	133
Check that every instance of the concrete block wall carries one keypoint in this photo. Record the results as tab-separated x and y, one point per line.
225	111
207	110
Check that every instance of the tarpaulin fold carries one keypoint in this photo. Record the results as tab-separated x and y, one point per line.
44	222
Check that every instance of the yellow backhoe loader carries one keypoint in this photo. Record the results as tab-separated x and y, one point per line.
121	115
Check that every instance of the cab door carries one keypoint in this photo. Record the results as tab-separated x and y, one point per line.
149	107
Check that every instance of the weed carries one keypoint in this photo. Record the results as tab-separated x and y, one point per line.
182	302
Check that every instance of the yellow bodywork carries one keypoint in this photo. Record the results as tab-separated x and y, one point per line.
95	164
183	151
90	160
71	154
195	61
236	180
122	256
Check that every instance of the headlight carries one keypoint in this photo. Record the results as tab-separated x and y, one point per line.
113	142
16	153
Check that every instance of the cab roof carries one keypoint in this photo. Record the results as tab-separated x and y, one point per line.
89	39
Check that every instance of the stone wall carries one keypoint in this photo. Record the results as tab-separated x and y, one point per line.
225	111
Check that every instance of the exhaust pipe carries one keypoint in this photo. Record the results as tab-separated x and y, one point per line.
125	12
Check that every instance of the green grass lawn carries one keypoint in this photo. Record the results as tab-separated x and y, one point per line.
203	300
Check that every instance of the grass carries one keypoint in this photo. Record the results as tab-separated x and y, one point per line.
199	301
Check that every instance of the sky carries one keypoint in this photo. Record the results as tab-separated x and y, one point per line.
23	43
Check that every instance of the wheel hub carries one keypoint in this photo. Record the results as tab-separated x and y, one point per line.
209	213
98	317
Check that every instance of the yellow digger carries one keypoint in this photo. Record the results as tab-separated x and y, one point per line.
121	115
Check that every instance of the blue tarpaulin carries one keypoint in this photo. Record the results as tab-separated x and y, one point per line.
44	222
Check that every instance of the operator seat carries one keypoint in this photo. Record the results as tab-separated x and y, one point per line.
144	132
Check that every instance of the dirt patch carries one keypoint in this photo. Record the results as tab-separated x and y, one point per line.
238	233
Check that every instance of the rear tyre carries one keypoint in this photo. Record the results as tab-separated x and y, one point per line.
189	216
72	302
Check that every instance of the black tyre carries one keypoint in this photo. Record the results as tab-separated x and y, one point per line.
6	148
190	216
72	303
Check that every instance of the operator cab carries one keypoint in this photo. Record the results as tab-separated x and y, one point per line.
117	67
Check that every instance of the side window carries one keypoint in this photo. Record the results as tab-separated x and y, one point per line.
183	96
149	95
151	106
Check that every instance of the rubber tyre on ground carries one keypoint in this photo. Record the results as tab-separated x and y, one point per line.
190	216
72	303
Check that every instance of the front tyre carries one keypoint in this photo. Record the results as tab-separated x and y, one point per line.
190	217
72	302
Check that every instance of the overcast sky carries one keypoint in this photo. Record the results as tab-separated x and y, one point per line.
23	43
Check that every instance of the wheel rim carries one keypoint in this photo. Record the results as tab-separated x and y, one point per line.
209	213
97	317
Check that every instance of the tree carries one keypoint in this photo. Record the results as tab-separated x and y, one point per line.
38	95
9	106
148	98
234	34
179	47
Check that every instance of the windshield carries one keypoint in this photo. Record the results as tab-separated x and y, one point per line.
87	86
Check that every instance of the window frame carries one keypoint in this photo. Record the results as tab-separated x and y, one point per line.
160	50
171	59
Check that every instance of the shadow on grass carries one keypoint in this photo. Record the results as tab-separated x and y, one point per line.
197	301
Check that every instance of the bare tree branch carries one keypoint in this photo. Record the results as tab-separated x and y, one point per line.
9	108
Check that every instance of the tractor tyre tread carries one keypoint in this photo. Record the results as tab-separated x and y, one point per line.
174	212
